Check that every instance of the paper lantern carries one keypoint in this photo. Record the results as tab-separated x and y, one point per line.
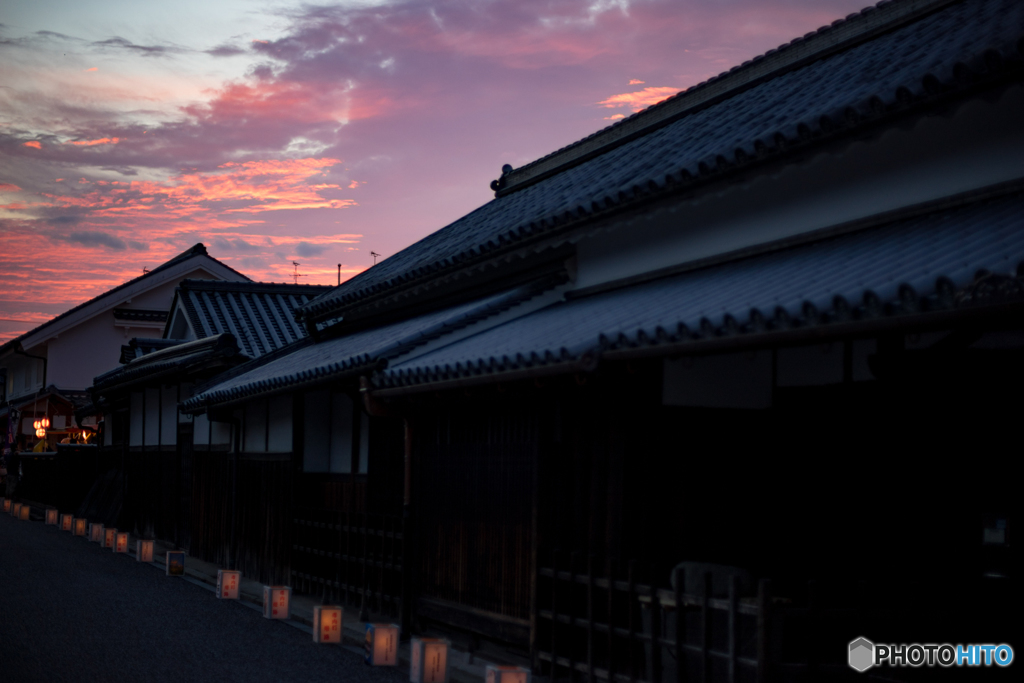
51	517
144	551
40	433
229	582
327	621
175	563
6	503
109	537
381	644
79	526
16	510
429	661
24	512
65	522
96	532
37	425
45	423
121	543
276	602
506	674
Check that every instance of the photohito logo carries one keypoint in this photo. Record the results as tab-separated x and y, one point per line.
863	654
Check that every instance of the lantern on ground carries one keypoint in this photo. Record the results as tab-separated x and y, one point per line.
6	502
51	517
109	537
96	532
175	563
144	551
429	661
381	644
16	510
228	583
80	526
277	602
506	674
24	512
327	620
65	522
121	544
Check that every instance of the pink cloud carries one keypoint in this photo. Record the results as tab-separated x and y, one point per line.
635	81
95	68
9	187
92	143
35	144
640	99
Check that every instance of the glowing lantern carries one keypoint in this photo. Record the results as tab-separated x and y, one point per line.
429	661
327	620
6	503
506	674
277	602
40	433
381	644
175	563
45	423
96	532
51	517
24	512
37	425
65	522
144	551
109	537
80	526
229	582
16	512
121	543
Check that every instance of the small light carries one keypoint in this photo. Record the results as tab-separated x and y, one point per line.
109	536
51	517
16	511
144	551
228	583
80	523
65	522
277	602
121	545
327	621
429	661
506	674
37	425
40	433
175	563
6	503
96	532
381	644
25	510
45	423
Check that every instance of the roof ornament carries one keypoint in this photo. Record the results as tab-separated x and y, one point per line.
506	171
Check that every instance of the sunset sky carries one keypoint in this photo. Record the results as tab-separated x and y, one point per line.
280	131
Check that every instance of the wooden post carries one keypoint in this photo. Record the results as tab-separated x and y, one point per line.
611	565
734	625
763	624
590	617
655	631
812	631
679	582
705	629
554	612
573	564
631	623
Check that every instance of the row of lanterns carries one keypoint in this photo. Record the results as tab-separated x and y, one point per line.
429	656
41	426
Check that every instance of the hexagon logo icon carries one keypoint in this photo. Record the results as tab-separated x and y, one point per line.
861	654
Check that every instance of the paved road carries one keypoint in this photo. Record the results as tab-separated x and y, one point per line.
70	611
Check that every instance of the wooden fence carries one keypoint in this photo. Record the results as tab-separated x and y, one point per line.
351	558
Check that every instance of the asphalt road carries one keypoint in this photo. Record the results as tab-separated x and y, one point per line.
70	611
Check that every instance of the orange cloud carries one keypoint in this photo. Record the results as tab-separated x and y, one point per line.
635	81
8	187
90	143
34	144
95	68
614	117
640	99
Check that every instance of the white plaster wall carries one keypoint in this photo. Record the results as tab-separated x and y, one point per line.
981	144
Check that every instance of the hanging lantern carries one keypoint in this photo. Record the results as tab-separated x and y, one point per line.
109	537
144	551
429	661
51	517
45	423
40	433
24	512
228	583
506	674
121	543
381	644
37	425
175	563
80	526
65	522
96	532
327	620
277	602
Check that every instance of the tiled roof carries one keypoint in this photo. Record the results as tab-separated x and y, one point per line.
923	263
957	50
140	346
260	315
170	360
356	352
196	250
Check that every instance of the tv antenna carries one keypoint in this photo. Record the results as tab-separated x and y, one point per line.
375	256
297	274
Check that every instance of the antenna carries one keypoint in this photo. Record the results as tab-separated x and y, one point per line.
375	256
297	274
